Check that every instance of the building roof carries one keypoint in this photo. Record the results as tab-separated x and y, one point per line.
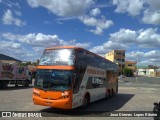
5	57
115	51
142	67
119	50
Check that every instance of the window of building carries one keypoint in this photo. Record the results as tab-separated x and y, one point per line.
118	53
118	59
123	66
130	65
122	60
123	54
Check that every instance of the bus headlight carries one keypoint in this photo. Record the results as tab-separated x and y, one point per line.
36	94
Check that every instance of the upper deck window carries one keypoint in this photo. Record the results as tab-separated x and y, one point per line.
58	57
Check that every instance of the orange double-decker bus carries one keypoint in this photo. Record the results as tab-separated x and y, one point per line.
69	77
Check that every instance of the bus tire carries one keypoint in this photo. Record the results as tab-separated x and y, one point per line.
112	93
86	101
107	94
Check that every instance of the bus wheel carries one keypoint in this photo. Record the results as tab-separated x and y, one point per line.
112	93
86	101
107	94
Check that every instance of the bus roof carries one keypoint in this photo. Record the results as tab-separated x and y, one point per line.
75	47
57	47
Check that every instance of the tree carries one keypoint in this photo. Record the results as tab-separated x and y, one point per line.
127	72
26	63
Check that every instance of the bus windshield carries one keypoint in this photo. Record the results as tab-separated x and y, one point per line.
55	80
58	57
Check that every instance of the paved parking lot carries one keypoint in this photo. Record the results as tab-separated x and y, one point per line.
133	96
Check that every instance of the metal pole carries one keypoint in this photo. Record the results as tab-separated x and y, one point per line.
137	68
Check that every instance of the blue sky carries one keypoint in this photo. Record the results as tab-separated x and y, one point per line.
29	26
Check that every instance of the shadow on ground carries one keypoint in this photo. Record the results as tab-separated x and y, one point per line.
98	108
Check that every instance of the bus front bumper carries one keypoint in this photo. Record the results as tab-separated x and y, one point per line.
60	103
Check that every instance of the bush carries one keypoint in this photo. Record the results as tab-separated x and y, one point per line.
127	72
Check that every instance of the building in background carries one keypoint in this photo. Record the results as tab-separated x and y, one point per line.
131	65
8	59
147	71
117	56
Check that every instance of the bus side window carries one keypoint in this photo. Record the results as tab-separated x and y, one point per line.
79	76
89	83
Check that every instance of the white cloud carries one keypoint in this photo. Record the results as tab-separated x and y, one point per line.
9	36
13	49
18	44
42	40
100	24
9	19
10	45
83	45
151	17
153	4
99	50
134	54
97	31
132	7
95	12
69	9
119	40
63	7
148	10
89	21
108	46
125	38
145	58
148	38
10	3
152	54
18	13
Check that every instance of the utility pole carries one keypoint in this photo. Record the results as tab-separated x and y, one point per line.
137	67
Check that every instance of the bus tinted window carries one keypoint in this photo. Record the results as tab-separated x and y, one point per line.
58	57
57	80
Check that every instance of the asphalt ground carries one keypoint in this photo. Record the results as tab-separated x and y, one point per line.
134	95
